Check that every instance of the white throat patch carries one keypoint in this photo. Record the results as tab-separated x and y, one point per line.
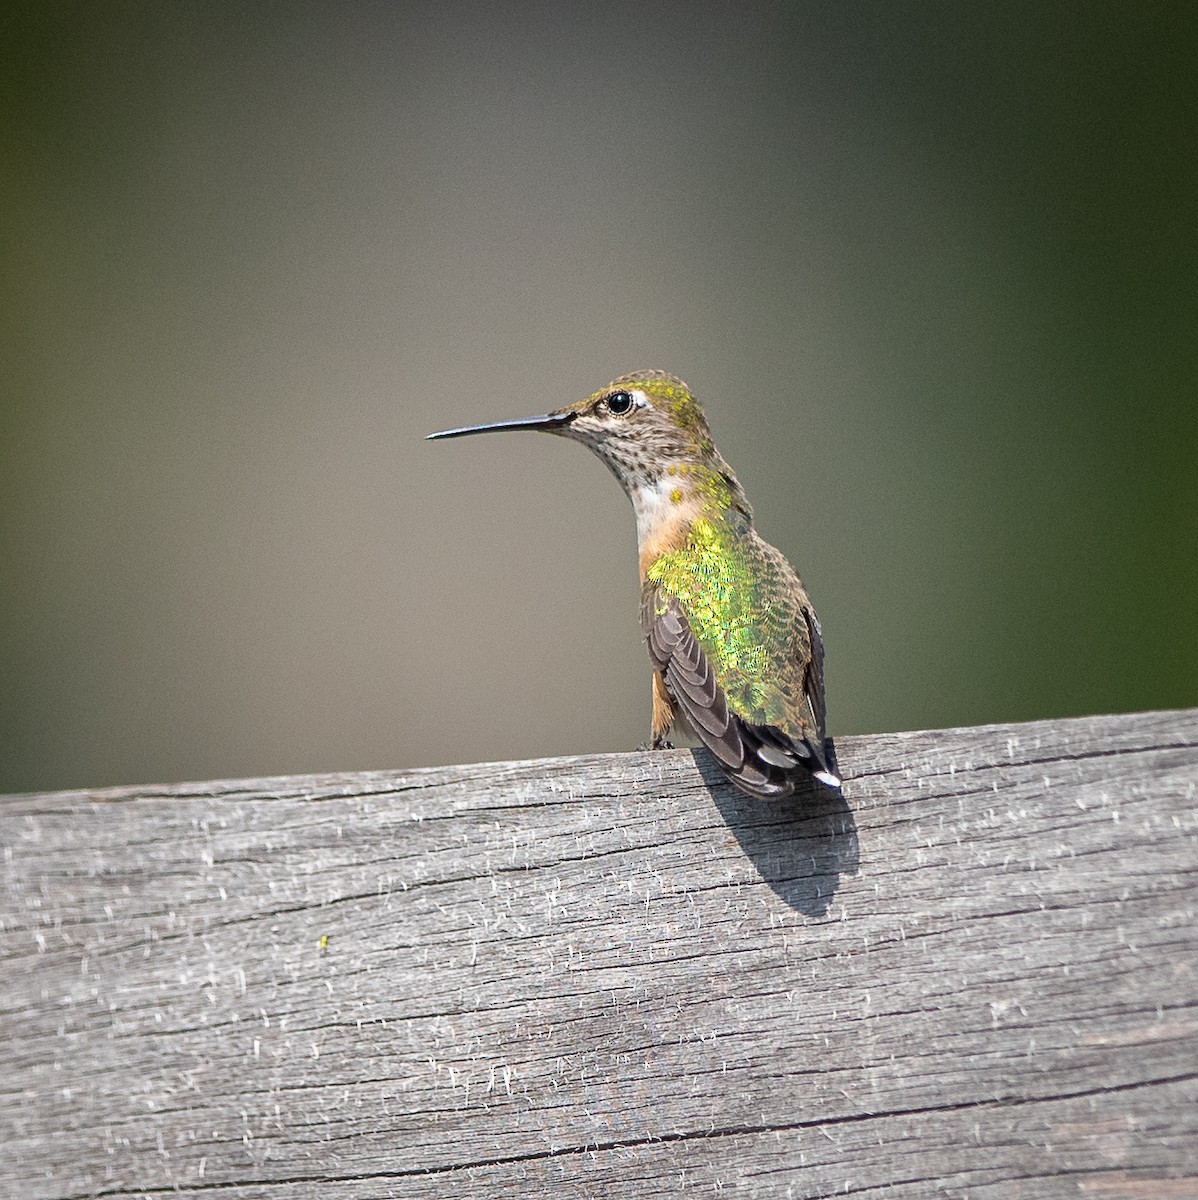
658	506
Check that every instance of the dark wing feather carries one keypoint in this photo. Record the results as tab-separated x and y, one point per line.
813	676
675	652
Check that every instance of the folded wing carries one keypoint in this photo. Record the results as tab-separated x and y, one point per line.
762	760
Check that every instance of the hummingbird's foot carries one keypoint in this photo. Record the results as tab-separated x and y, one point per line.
655	744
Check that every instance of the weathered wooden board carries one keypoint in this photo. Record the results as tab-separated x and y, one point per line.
614	976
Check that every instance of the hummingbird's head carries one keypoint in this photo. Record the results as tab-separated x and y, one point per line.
650	431
640	425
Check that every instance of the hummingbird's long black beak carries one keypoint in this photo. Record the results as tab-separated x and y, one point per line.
549	422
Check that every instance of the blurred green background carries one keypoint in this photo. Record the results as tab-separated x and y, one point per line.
930	267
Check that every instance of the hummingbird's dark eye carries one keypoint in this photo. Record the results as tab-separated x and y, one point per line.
619	403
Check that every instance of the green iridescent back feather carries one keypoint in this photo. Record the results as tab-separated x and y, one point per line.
744	605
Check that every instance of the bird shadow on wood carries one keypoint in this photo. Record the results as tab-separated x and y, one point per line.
800	845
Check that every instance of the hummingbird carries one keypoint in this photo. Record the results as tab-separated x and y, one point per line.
735	646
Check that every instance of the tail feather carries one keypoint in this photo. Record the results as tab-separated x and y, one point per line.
775	765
